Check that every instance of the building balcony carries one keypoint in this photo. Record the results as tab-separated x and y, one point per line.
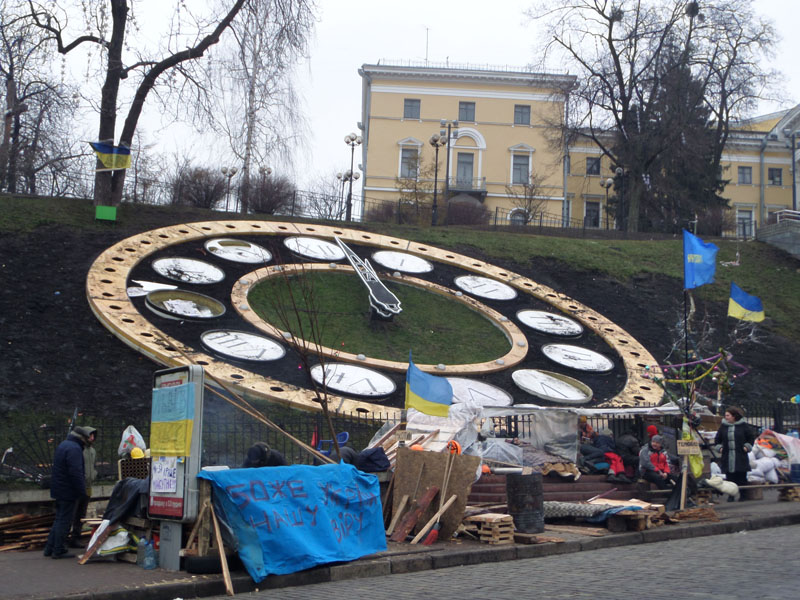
474	187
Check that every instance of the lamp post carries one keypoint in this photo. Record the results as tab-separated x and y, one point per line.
349	177
437	141
607	184
340	199
793	136
228	172
449	130
351	140
620	172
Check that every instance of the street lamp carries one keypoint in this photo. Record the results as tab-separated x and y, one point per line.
348	177
351	140
620	172
228	172
449	130
607	184
793	135
437	141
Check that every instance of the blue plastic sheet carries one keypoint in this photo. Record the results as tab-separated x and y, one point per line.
287	519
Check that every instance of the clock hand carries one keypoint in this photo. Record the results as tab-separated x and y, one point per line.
383	301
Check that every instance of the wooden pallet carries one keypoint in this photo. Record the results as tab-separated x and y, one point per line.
789	494
632	520
492	528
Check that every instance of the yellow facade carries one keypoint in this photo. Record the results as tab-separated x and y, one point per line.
479	163
507	155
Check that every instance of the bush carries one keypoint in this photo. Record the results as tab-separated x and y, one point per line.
198	187
270	195
467	213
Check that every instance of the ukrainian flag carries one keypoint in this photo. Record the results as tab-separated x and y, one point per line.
743	306
426	393
172	420
699	261
112	157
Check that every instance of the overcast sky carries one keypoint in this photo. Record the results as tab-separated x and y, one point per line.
350	33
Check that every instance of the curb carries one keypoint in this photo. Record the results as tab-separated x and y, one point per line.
213	585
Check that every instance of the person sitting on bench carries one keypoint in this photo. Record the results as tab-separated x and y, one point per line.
654	464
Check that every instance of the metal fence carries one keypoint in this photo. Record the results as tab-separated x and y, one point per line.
228	433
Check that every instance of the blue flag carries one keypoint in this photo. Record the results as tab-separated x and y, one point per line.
699	261
427	393
743	306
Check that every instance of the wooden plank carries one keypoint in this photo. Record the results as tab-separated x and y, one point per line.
591	531
397	514
226	574
97	543
410	520
533	538
490	518
434	518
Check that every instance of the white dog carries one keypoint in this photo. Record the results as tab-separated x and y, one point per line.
723	486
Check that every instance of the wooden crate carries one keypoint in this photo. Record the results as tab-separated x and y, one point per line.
492	528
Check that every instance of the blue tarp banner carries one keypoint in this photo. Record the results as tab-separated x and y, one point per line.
287	519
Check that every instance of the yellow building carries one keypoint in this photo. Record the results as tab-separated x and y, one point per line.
505	153
501	153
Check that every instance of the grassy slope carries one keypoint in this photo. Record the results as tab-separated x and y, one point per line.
764	271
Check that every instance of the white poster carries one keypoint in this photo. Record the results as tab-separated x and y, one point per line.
164	477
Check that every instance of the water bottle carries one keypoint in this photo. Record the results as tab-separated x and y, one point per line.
149	556
140	546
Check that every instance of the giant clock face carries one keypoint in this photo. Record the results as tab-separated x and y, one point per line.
224	334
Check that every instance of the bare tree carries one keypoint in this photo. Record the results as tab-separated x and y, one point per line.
626	51
143	71
325	198
37	107
254	104
527	199
272	195
415	193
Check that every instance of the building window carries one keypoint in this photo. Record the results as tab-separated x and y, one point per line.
518	217
593	165
409	163
411	108
744	222
519	170
522	114
592	217
775	176
745	175
466	111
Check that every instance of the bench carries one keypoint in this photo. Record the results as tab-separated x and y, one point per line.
787	492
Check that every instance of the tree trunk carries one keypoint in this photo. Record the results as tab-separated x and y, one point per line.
107	184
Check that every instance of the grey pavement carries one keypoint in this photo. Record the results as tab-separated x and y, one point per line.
763	564
751	545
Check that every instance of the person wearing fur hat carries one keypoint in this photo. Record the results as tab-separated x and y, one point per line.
67	487
654	464
735	438
261	455
89	434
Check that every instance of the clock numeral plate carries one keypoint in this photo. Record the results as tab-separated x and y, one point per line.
577	358
242	345
239	251
188	270
552	386
402	261
472	391
314	248
484	287
551	323
183	304
353	380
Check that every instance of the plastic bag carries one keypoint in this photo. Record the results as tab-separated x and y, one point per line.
131	439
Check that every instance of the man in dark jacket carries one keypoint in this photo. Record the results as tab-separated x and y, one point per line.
67	487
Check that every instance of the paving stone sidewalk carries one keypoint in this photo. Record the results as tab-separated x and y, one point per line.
30	576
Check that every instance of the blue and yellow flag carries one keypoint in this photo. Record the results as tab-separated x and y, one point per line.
743	306
172	420
427	393
699	261
112	157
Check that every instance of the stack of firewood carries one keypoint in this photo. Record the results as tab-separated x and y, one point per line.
24	532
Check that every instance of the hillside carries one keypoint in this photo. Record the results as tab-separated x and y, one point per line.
56	355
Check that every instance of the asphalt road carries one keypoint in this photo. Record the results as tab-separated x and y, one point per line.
762	564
